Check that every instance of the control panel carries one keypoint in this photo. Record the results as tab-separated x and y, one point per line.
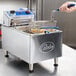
18	17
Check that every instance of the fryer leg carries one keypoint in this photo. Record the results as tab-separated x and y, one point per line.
6	54
55	62
31	68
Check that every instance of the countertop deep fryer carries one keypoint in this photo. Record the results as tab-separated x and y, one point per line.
31	41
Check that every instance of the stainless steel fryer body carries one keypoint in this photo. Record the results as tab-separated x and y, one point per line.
31	48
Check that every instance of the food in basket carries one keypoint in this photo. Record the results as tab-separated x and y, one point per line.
37	30
42	30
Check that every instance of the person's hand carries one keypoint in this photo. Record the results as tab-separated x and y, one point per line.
64	7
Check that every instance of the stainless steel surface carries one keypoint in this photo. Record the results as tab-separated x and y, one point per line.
29	4
17	46
14	67
55	60
31	67
37	9
28	44
31	48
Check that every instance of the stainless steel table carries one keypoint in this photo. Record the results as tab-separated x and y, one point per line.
16	67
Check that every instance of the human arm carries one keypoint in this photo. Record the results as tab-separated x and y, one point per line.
64	7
